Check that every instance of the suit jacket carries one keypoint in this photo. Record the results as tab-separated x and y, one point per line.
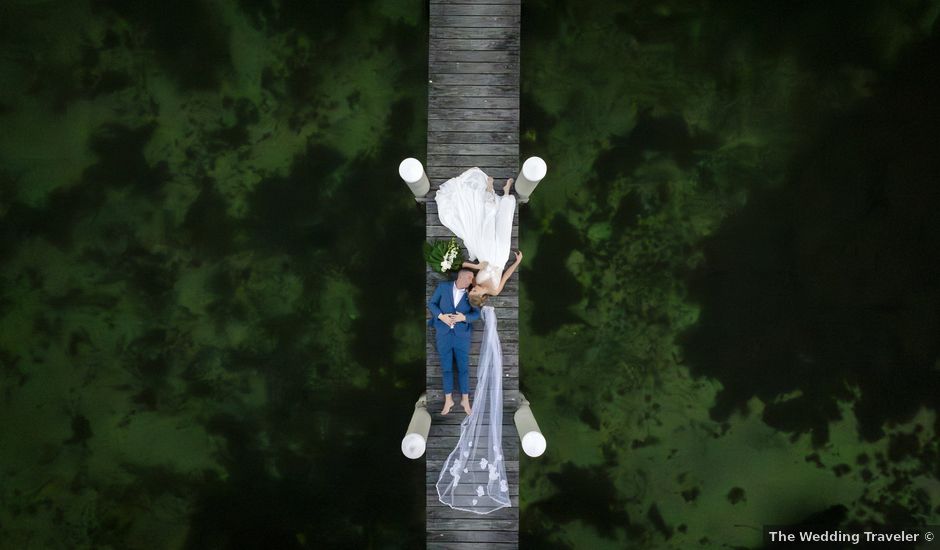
443	302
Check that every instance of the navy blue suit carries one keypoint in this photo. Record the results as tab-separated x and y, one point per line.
453	344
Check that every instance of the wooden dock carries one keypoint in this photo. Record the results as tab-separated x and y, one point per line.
473	120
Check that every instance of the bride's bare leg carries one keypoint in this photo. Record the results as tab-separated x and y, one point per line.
489	183
507	187
465	403
448	403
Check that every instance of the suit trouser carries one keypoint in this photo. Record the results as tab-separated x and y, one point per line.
452	349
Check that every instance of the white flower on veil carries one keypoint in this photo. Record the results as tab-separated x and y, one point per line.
483	463
479	490
503	486
493	473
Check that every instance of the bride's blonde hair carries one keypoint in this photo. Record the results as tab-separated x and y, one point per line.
477	300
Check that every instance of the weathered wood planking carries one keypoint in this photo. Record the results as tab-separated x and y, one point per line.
473	120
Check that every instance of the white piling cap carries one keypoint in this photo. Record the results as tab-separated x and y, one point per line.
533	443
413	445
534	169
410	170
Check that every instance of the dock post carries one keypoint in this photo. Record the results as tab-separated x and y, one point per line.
413	173
533	170
533	442
416	436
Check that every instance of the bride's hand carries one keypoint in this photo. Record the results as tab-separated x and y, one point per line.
518	256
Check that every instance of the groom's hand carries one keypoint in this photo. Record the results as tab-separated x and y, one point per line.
459	317
447	319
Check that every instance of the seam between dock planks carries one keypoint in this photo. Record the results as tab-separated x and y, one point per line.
473	120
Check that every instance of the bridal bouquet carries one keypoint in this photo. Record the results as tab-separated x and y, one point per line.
443	256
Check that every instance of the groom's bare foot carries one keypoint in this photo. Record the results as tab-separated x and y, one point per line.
448	403
465	403
507	187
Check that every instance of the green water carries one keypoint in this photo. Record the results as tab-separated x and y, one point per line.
212	293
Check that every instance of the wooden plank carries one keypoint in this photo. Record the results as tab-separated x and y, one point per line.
473	33
440	174
475	2
446	512
472	524
469	90
450	125
469	21
436	399
474	114
433	372
508	42
433	376
475	9
472	160
433	501
509	384
461	67
440	103
466	138
510	150
473	79
469	546
474	56
473	536
454	419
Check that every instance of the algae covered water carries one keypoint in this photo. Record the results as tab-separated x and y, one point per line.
211	281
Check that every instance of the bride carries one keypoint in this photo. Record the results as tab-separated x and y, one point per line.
473	478
468	206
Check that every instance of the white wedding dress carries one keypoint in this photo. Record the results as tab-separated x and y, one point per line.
473	478
481	218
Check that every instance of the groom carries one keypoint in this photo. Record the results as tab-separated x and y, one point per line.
453	315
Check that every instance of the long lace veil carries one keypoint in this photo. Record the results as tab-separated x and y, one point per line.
473	477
